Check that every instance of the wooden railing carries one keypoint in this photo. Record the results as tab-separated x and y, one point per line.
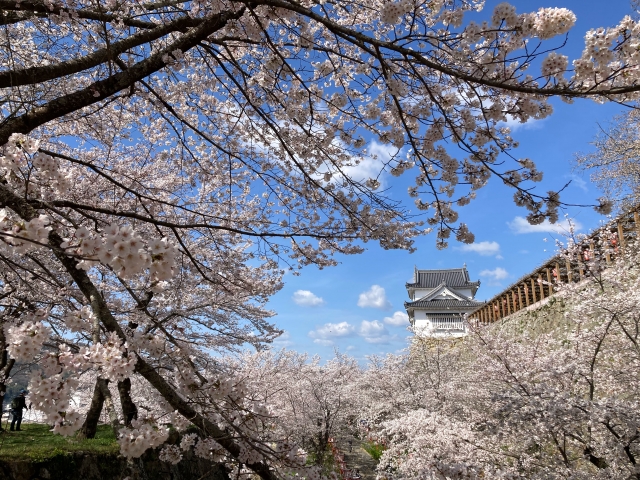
538	285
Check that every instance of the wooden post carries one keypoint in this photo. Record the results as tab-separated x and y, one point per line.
558	279
569	272
516	307
533	290
541	287
526	294
520	298
636	220
620	236
549	284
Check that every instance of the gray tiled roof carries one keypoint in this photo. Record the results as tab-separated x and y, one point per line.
451	304
455	277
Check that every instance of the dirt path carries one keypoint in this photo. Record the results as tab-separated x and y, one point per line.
358	458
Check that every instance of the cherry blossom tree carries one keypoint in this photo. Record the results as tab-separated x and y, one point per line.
614	165
309	402
550	394
163	162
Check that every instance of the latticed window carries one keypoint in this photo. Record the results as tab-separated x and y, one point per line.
447	322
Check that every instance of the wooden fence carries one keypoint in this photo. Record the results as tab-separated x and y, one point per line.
538	285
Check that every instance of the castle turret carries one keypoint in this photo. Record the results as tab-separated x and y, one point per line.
439	301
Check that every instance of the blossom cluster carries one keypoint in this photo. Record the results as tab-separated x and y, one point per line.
124	251
170	454
554	64
47	174
78	320
188	440
210	449
110	357
14	152
21	236
391	12
544	24
51	394
145	434
25	340
153	344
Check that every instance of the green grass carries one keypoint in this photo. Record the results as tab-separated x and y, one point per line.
35	443
373	449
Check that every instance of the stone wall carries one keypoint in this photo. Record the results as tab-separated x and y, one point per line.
80	466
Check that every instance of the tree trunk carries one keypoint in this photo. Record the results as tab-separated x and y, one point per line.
108	405
129	409
101	398
90	425
6	364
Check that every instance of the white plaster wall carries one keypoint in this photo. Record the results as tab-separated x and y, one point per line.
465	291
419	293
422	324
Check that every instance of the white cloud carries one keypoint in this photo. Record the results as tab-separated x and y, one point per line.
520	225
325	334
576	181
495	274
372	165
374	298
374	332
486	249
398	319
374	328
283	340
382	151
514	124
307	299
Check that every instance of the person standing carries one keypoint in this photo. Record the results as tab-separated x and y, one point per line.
17	404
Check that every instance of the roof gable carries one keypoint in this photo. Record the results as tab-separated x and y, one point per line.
443	292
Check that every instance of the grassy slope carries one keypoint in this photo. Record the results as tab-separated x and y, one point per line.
36	443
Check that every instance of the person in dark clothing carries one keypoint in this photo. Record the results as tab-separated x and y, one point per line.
17	404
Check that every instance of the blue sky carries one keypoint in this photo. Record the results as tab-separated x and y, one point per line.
353	307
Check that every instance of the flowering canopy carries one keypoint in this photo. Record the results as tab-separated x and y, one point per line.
162	160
